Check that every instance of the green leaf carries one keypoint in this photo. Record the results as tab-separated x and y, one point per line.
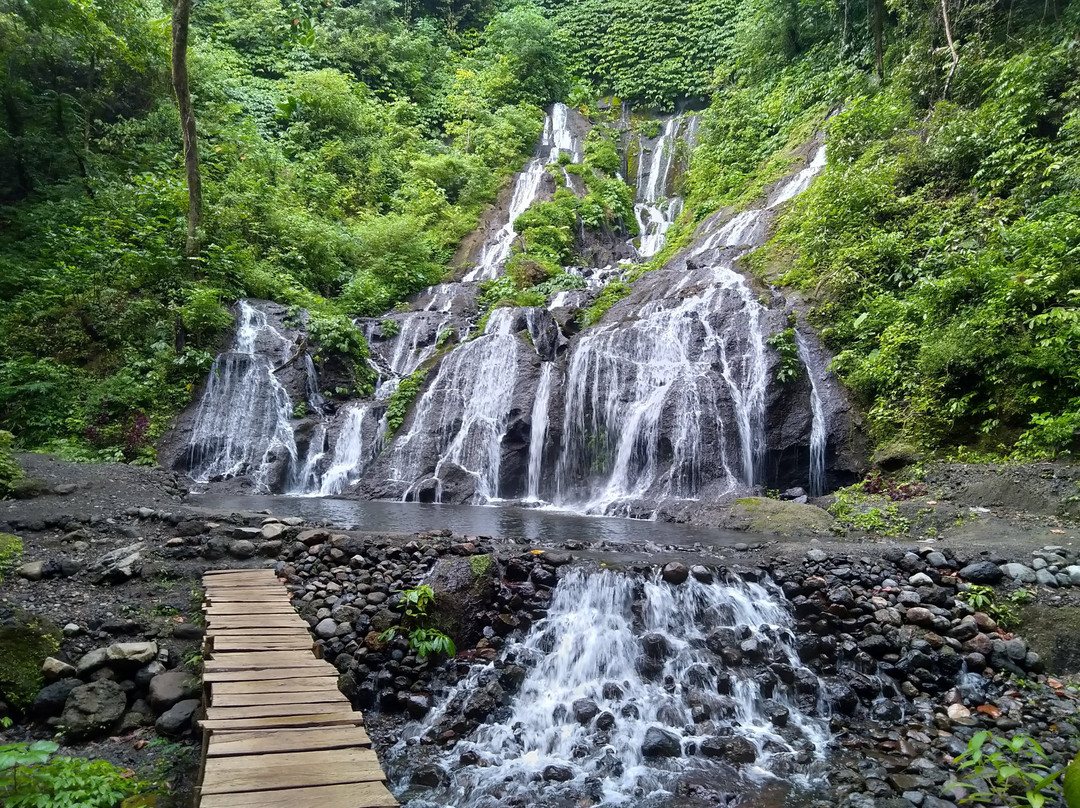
1072	783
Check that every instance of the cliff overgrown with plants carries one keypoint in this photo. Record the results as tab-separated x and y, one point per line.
348	146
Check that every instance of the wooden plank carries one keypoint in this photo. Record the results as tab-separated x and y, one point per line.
247	621
249	571
334	719
291	770
260	742
253	661
326	696
214	712
352	795
279	685
246	609
360	757
212	677
229	644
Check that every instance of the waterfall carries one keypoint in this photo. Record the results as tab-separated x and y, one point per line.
645	413
800	182
464	411
538	430
818	429
557	137
654	209
307	477
244	421
357	444
617	660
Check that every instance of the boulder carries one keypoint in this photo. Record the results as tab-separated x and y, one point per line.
982	572
119	565
675	572
464	588
32	570
177	720
26	641
54	669
51	699
92	709
170	688
661	743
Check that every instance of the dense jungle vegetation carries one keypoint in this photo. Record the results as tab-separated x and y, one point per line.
347	147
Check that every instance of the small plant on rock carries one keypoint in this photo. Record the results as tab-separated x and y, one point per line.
1005	771
423	641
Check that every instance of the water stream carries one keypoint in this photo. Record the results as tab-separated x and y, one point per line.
619	666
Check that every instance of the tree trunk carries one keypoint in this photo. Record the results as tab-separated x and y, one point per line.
952	47
879	45
181	15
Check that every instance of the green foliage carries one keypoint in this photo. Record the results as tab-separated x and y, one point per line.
31	777
646	51
401	400
345	152
9	467
791	367
856	510
940	243
1005	771
11	549
423	641
389	328
611	294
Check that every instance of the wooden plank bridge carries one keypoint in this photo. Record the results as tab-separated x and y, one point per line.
277	733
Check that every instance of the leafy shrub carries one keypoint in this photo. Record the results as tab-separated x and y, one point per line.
611	294
31	777
791	367
422	641
203	315
401	400
856	510
1006	771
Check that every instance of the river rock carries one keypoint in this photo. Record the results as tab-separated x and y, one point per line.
273	530
242	549
171	687
585	710
119	565
1046	578
734	749
32	571
51	699
675	572
54	669
177	720
325	629
92	709
982	572
661	743
1019	572
558	774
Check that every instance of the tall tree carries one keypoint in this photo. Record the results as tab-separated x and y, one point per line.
181	16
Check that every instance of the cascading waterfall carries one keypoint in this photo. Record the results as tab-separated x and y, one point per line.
244	420
818	428
556	139
465	411
650	402
538	431
654	209
617	660
356	446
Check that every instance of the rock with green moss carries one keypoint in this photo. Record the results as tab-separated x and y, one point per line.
895	456
26	641
464	589
779	517
11	548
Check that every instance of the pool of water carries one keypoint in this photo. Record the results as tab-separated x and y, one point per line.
504	522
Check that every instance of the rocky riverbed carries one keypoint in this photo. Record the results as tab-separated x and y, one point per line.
896	657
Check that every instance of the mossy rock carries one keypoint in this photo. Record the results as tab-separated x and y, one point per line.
11	548
1052	631
780	517
25	641
895	456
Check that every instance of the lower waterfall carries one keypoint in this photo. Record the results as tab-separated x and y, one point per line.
629	684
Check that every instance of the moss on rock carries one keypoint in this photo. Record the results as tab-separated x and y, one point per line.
11	548
776	516
25	641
